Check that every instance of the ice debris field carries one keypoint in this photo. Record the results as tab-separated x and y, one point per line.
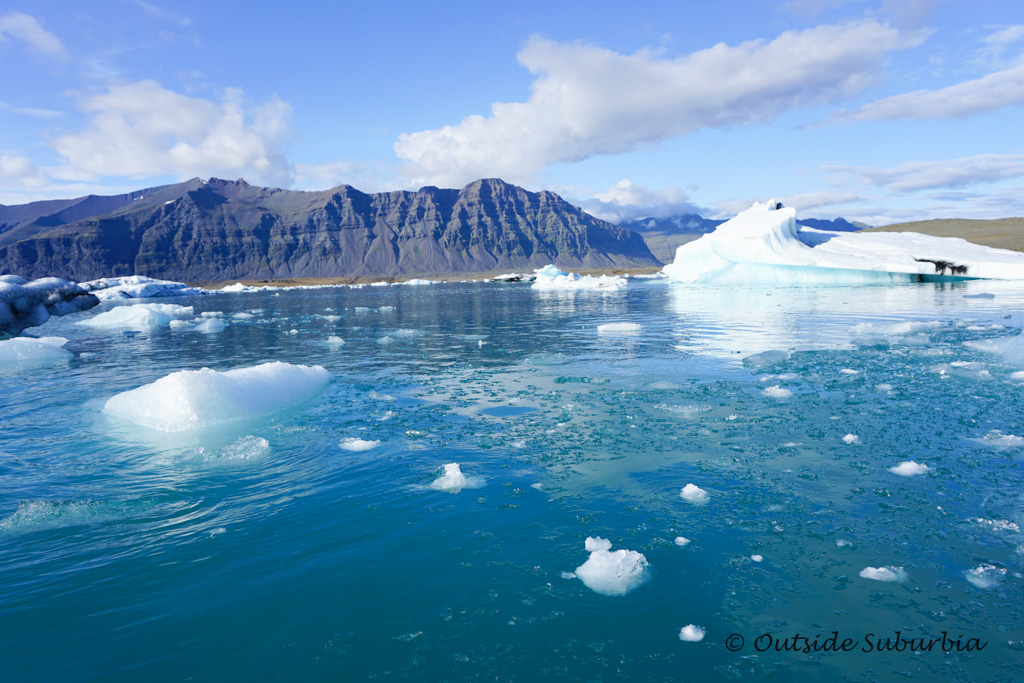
587	479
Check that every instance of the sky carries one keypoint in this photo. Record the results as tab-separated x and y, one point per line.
875	110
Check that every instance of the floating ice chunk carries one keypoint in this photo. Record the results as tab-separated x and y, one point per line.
690	411
620	328
406	332
884	574
757	558
843	543
29	349
417	281
999	440
883	387
909	468
386	309
568	575
335	342
210	326
777	392
331	318
850	371
362	309
694	494
550	278
243	316
355	444
385	340
211	314
985	576
895	329
681	541
1010	348
760	360
851	439
611	573
141	317
453	480
784	377
192	399
292	333
691	634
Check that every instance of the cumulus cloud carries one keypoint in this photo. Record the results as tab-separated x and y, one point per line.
627	200
142	129
997	90
27	29
18	171
926	175
588	100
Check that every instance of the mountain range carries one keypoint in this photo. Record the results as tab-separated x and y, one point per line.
216	230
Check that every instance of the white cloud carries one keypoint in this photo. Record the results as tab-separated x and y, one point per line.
819	204
588	100
924	175
366	177
25	28
997	90
31	111
1005	36
628	201
142	129
18	171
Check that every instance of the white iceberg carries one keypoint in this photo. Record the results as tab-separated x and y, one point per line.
193	399
691	634
138	287
909	468
611	573
453	480
141	317
694	494
892	574
356	445
764	245
27	349
550	278
26	304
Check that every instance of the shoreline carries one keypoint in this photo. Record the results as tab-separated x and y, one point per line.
365	280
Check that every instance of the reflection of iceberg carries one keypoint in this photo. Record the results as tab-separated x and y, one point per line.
764	245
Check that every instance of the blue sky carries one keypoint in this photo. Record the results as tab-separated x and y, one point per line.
877	110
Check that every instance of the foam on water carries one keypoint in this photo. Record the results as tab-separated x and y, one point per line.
611	573
192	399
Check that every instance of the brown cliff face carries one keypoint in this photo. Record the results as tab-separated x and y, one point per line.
219	230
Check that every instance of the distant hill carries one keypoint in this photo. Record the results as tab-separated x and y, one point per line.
665	235
1001	233
207	231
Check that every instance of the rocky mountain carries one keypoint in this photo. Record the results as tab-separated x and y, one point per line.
206	231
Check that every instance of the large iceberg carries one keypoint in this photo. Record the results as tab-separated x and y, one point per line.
138	287
27	349
193	399
140	317
26	304
764	244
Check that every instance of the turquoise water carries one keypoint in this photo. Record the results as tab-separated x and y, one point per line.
131	555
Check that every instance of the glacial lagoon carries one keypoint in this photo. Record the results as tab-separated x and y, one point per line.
315	542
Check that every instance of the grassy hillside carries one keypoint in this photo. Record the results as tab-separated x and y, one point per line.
1002	233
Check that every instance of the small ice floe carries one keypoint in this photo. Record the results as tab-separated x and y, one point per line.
550	278
690	411
1010	348
691	634
28	349
843	543
765	358
242	315
777	392
694	494
784	377
895	329
210	326
909	468
192	399
985	576
453	480
335	342
386	309
356	445
611	573
385	340
681	541
292	333
732	417
851	439
418	282
620	328
140	317
883	387
211	314
997	439
896	574
568	575
1019	375
757	558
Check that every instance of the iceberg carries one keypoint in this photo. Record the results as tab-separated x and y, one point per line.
141	317
550	278
28	349
138	287
193	399
764	245
25	304
891	574
611	573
